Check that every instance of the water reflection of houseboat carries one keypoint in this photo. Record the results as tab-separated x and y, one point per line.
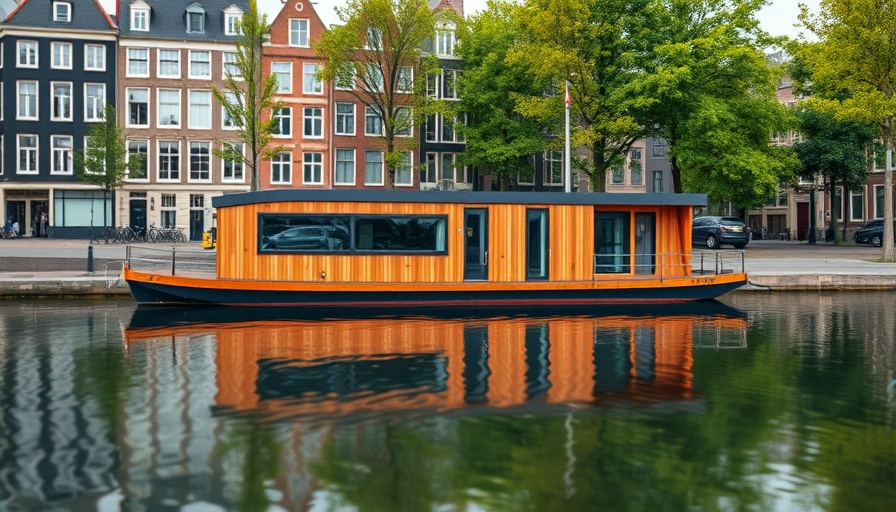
332	248
284	368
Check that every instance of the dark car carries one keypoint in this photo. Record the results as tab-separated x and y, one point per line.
302	237
871	233
715	230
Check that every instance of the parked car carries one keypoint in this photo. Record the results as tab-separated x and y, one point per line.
715	230
871	233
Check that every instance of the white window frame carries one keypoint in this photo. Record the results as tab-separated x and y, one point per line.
401	131
316	121
195	124
159	61
53	116
94	57
368	111
382	164
232	17
224	66
128	104
283	73
855	216
35	149
207	160
405	83
445	42
65	153
410	170
191	71
139	17
31	50
179	160
337	161
159	109
58	15
299	30
315	167
234	164
282	165
347	74
878	205
128	152
338	116
310	83
444	92
66	55
94	113
281	114
227	122
128	71
36	97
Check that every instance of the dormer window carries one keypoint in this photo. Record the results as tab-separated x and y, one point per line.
140	16
195	19
232	17
62	12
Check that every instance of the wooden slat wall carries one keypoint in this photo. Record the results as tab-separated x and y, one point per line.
570	259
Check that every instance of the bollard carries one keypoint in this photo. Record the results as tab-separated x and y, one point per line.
90	259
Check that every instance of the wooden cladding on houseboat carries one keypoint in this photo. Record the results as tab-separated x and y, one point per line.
505	255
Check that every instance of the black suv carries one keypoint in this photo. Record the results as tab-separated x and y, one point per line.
871	233
715	230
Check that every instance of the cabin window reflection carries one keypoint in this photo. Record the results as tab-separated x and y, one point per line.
611	243
400	234
305	233
351	233
537	244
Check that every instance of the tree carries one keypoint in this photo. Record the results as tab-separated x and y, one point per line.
498	137
104	161
374	55
713	98
249	99
852	75
590	44
836	151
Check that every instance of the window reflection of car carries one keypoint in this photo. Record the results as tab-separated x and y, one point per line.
303	237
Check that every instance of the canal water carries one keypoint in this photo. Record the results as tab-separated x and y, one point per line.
761	402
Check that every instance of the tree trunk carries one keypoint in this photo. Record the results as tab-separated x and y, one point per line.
889	250
599	170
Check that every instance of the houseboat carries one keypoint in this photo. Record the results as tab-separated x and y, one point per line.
432	249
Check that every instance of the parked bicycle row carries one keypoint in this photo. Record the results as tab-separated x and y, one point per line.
128	235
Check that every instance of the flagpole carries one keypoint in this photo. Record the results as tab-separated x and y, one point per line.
567	160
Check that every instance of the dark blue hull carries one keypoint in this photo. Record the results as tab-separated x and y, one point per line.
158	293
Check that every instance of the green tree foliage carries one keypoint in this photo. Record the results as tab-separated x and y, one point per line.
836	151
374	55
590	44
852	76
104	162
713	98
498	137
249	99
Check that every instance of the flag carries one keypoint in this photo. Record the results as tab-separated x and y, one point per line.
568	100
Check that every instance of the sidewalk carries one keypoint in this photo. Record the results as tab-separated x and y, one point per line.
43	267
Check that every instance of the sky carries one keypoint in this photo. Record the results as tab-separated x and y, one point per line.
777	18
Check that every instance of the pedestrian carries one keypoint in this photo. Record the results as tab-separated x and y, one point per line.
43	224
14	233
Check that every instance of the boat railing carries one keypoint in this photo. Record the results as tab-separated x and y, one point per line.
665	265
173	260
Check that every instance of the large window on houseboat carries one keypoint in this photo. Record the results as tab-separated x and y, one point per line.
352	233
611	242
537	244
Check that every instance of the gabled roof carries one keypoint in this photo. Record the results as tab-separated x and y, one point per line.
167	19
85	15
457	5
